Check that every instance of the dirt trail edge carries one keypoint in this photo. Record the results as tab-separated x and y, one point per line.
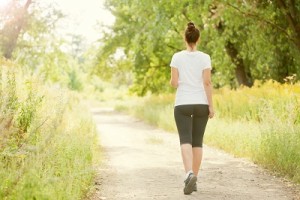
143	162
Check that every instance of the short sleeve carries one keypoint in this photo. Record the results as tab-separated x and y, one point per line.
174	62
207	62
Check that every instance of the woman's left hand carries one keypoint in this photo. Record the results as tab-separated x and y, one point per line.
211	113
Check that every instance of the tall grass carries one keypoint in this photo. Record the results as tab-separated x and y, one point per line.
250	103
48	144
261	123
155	110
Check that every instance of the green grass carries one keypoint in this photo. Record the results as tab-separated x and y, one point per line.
48	142
157	113
154	140
261	123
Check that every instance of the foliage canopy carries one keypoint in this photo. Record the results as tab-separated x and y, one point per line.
247	40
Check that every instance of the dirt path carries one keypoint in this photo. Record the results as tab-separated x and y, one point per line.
143	162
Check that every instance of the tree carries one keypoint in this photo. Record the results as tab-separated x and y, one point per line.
247	40
142	42
14	20
30	38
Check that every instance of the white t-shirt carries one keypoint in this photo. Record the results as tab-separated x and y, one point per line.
190	66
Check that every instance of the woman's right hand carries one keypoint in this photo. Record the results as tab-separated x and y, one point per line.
211	112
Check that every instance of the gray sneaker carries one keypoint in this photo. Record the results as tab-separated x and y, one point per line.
189	184
195	188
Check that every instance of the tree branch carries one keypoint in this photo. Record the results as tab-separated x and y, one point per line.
254	15
288	15
291	20
184	13
172	47
293	8
12	30
175	29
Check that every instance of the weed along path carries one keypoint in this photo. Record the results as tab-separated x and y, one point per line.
143	162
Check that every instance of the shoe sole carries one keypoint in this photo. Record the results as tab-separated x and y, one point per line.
189	188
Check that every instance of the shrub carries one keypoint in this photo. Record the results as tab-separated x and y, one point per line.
48	144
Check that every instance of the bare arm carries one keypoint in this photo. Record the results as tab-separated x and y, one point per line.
174	77
208	90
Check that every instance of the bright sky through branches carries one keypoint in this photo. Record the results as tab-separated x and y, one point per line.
83	16
3	3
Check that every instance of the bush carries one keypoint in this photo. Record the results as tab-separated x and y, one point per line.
48	144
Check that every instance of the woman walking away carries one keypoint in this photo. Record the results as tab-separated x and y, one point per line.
191	75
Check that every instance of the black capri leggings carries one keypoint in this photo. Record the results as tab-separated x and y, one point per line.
191	121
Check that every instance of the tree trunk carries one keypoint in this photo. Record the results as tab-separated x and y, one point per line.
292	17
12	30
240	70
284	67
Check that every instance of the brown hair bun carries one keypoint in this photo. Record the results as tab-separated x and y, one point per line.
192	33
191	26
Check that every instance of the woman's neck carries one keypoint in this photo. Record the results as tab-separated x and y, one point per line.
192	47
